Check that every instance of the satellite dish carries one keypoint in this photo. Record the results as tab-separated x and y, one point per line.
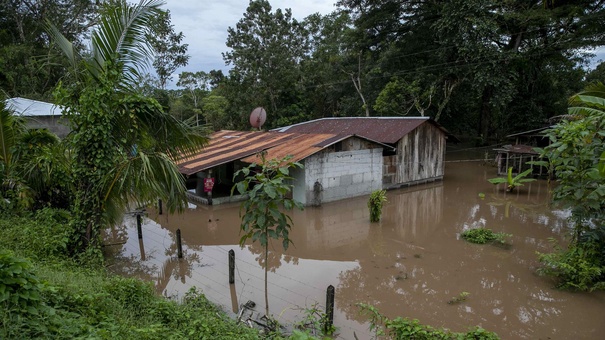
258	117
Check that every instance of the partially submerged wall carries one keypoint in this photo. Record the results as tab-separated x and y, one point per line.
331	176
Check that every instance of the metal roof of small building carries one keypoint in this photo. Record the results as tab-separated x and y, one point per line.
226	146
33	108
519	148
382	129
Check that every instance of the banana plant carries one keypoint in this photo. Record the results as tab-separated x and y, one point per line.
513	182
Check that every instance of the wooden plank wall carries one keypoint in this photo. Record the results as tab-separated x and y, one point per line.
421	155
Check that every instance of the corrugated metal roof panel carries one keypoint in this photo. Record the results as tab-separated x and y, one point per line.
382	129
33	108
299	147
227	146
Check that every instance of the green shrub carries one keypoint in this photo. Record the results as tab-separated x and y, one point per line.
377	199
45	236
19	287
404	328
580	267
484	235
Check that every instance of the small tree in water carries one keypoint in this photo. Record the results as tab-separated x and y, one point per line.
267	186
377	199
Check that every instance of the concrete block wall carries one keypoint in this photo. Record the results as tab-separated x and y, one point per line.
342	175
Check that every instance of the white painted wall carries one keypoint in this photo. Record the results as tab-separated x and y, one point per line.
341	175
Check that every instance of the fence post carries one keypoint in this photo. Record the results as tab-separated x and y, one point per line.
179	245
231	266
160	206
139	227
329	322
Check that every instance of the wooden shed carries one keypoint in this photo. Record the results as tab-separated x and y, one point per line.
418	154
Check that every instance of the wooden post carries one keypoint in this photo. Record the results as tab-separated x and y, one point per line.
139	226
210	192
142	249
179	245
160	206
234	304
231	266
329	310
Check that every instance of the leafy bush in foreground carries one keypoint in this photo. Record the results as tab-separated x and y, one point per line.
404	329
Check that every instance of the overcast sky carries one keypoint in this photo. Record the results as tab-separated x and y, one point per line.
205	23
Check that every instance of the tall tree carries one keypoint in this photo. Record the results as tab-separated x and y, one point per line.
266	53
124	143
507	61
28	65
171	53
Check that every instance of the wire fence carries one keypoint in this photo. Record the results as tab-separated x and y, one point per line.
213	277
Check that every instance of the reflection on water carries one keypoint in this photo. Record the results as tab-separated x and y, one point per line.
410	264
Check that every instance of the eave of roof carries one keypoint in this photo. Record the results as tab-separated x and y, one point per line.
33	108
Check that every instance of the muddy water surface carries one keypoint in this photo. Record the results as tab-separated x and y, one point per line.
410	264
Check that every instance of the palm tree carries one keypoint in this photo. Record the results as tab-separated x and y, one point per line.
124	144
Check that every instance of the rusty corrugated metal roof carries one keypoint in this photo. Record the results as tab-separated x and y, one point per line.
382	129
300	146
227	146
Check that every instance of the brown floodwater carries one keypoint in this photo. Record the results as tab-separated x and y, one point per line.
410	264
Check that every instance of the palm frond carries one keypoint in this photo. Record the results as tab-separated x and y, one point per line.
11	128
584	111
143	179
593	90
65	45
120	38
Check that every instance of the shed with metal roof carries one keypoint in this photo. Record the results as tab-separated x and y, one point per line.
40	115
419	144
335	166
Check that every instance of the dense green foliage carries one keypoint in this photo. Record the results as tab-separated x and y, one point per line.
29	67
375	202
53	297
484	235
403	328
576	154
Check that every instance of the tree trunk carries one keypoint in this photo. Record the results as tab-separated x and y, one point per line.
266	286
485	115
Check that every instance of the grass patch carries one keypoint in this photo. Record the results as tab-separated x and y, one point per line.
484	235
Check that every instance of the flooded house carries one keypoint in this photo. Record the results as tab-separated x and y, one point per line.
417	144
40	115
335	166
